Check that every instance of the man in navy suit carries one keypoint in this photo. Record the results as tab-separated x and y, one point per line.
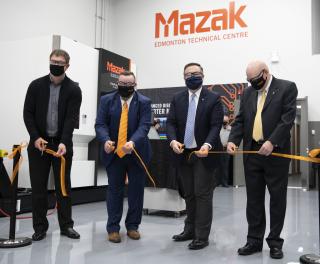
122	124
194	124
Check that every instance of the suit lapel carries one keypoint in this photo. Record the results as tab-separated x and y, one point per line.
201	106
133	115
116	110
272	91
45	101
62	95
254	101
183	107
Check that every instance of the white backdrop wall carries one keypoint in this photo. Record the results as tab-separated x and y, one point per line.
75	19
282	27
23	61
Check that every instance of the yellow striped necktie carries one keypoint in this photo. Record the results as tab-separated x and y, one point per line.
257	133
123	129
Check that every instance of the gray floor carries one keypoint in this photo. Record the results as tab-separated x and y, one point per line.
228	233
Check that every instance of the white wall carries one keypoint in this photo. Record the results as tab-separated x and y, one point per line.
75	19
22	62
273	26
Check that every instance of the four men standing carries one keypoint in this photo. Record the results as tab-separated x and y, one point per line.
266	115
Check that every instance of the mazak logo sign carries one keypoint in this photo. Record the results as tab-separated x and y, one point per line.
110	67
184	26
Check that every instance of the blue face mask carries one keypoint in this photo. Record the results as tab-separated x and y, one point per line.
194	82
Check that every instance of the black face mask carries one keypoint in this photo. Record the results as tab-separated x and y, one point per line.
125	91
56	70
194	82
258	83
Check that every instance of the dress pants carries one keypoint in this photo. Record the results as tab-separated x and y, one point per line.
198	184
261	172
222	172
117	171
39	167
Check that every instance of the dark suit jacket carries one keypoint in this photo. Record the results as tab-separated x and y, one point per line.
208	123
139	122
36	108
278	115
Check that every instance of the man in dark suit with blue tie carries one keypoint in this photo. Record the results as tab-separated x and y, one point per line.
122	124
193	124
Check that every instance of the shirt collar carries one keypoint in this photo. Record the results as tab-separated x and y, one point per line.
128	100
268	85
197	93
51	81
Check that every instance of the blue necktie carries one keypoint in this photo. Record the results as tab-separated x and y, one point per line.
189	133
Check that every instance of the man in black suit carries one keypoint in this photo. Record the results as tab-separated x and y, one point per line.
51	112
194	124
267	113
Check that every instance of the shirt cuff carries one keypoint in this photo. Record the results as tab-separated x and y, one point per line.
209	145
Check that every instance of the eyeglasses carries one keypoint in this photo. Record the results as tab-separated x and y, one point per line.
127	83
256	78
60	63
195	74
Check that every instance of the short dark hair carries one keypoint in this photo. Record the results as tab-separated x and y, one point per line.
60	53
192	64
127	73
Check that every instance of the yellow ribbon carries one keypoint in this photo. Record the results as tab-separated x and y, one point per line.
62	171
3	153
144	166
49	151
17	166
312	154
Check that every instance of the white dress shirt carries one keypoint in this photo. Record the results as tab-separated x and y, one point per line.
196	98
128	101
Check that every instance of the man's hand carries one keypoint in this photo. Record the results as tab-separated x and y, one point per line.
176	146
231	148
108	146
61	149
203	151
128	147
40	144
266	149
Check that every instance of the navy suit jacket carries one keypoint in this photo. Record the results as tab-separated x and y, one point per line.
139	122
208	123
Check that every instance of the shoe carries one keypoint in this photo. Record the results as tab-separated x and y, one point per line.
133	234
198	244
37	236
114	237
70	232
183	237
249	249
276	253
